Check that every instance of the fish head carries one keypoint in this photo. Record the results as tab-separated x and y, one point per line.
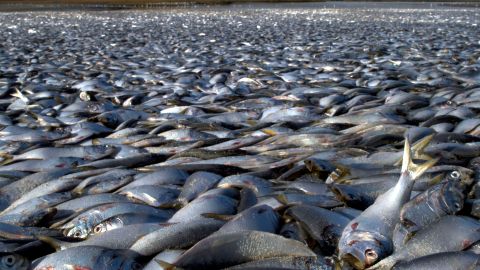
77	232
107	225
100	151
452	198
81	229
14	262
363	249
108	118
474	163
463	178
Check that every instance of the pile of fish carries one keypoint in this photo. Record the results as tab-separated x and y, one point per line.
243	138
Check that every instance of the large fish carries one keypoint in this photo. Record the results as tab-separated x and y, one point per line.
368	237
223	250
88	257
436	238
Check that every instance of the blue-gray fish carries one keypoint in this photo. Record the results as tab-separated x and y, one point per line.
88	257
368	237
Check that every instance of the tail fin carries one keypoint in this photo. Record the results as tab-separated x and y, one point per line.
55	243
7	159
20	95
418	148
179	203
165	265
218	216
414	170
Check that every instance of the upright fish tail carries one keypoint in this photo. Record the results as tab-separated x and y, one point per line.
412	169
418	148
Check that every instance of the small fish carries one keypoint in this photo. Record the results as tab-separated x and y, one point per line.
196	184
89	257
175	235
82	225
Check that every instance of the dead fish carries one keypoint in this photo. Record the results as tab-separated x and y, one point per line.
82	225
123	220
89	257
323	225
196	184
368	237
429	206
444	260
87	152
44	165
167	176
156	196
207	203
175	235
257	218
17	189
248	246
32	211
120	238
167	256
436	238
287	262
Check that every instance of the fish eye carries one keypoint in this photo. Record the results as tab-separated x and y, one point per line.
9	260
77	234
99	228
457	206
455	175
136	266
260	211
370	255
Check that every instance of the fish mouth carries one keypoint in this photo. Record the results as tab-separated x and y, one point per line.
360	260
354	261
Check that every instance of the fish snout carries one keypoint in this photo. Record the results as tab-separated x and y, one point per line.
361	254
361	259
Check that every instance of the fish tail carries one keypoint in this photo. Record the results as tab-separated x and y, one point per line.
8	159
54	243
419	147
179	203
20	95
78	190
412	169
165	265
218	216
282	198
